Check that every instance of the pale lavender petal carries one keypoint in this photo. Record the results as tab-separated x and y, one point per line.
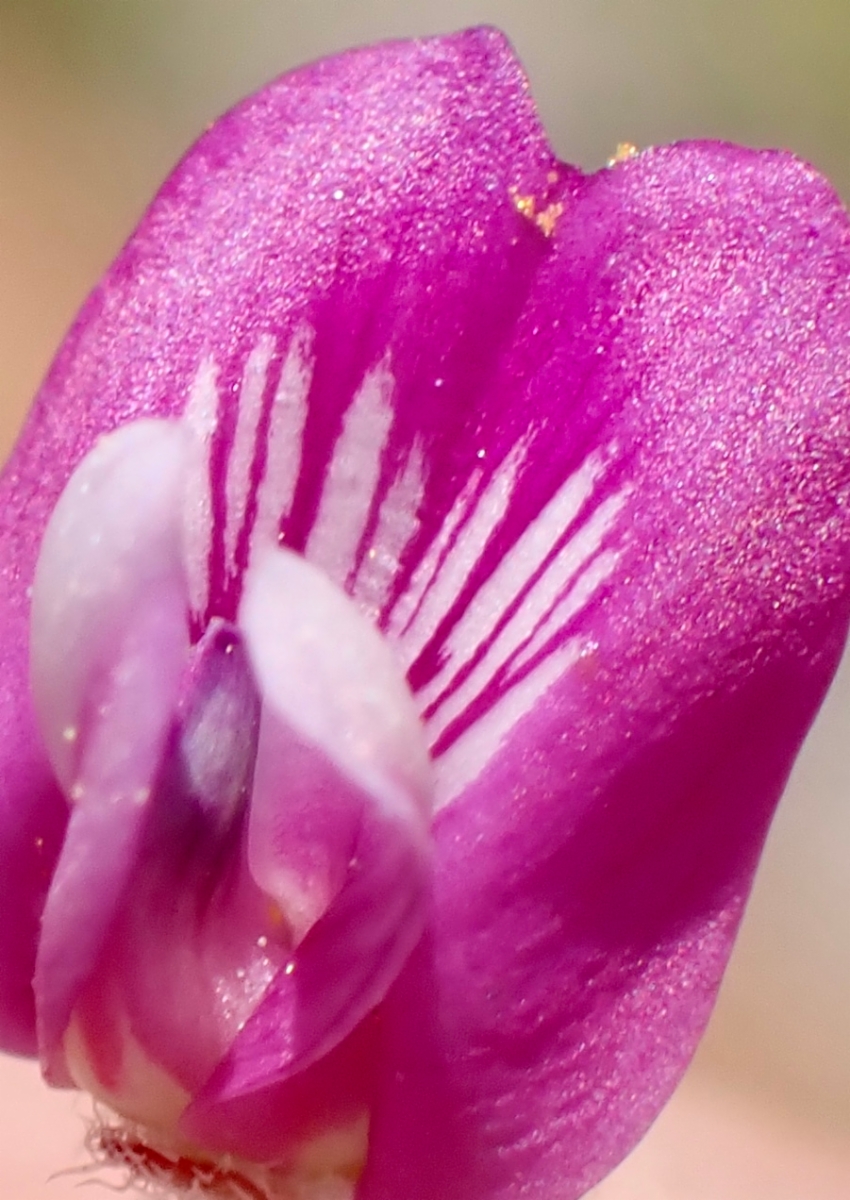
332	690
109	642
338	828
194	946
107	608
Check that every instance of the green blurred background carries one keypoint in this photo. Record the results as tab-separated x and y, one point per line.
99	97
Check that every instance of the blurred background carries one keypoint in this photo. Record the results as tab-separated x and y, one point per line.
97	100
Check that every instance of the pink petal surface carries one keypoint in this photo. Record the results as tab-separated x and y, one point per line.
578	445
328	282
590	880
334	303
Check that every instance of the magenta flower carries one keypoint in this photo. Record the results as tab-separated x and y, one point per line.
417	659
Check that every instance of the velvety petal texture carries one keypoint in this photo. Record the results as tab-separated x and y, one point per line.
565	453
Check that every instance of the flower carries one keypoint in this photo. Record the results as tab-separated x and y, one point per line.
433	557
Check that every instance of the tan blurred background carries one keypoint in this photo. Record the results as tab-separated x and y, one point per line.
97	100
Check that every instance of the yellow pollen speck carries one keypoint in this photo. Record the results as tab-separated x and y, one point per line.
548	219
624	151
289	968
545	220
524	205
69	733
